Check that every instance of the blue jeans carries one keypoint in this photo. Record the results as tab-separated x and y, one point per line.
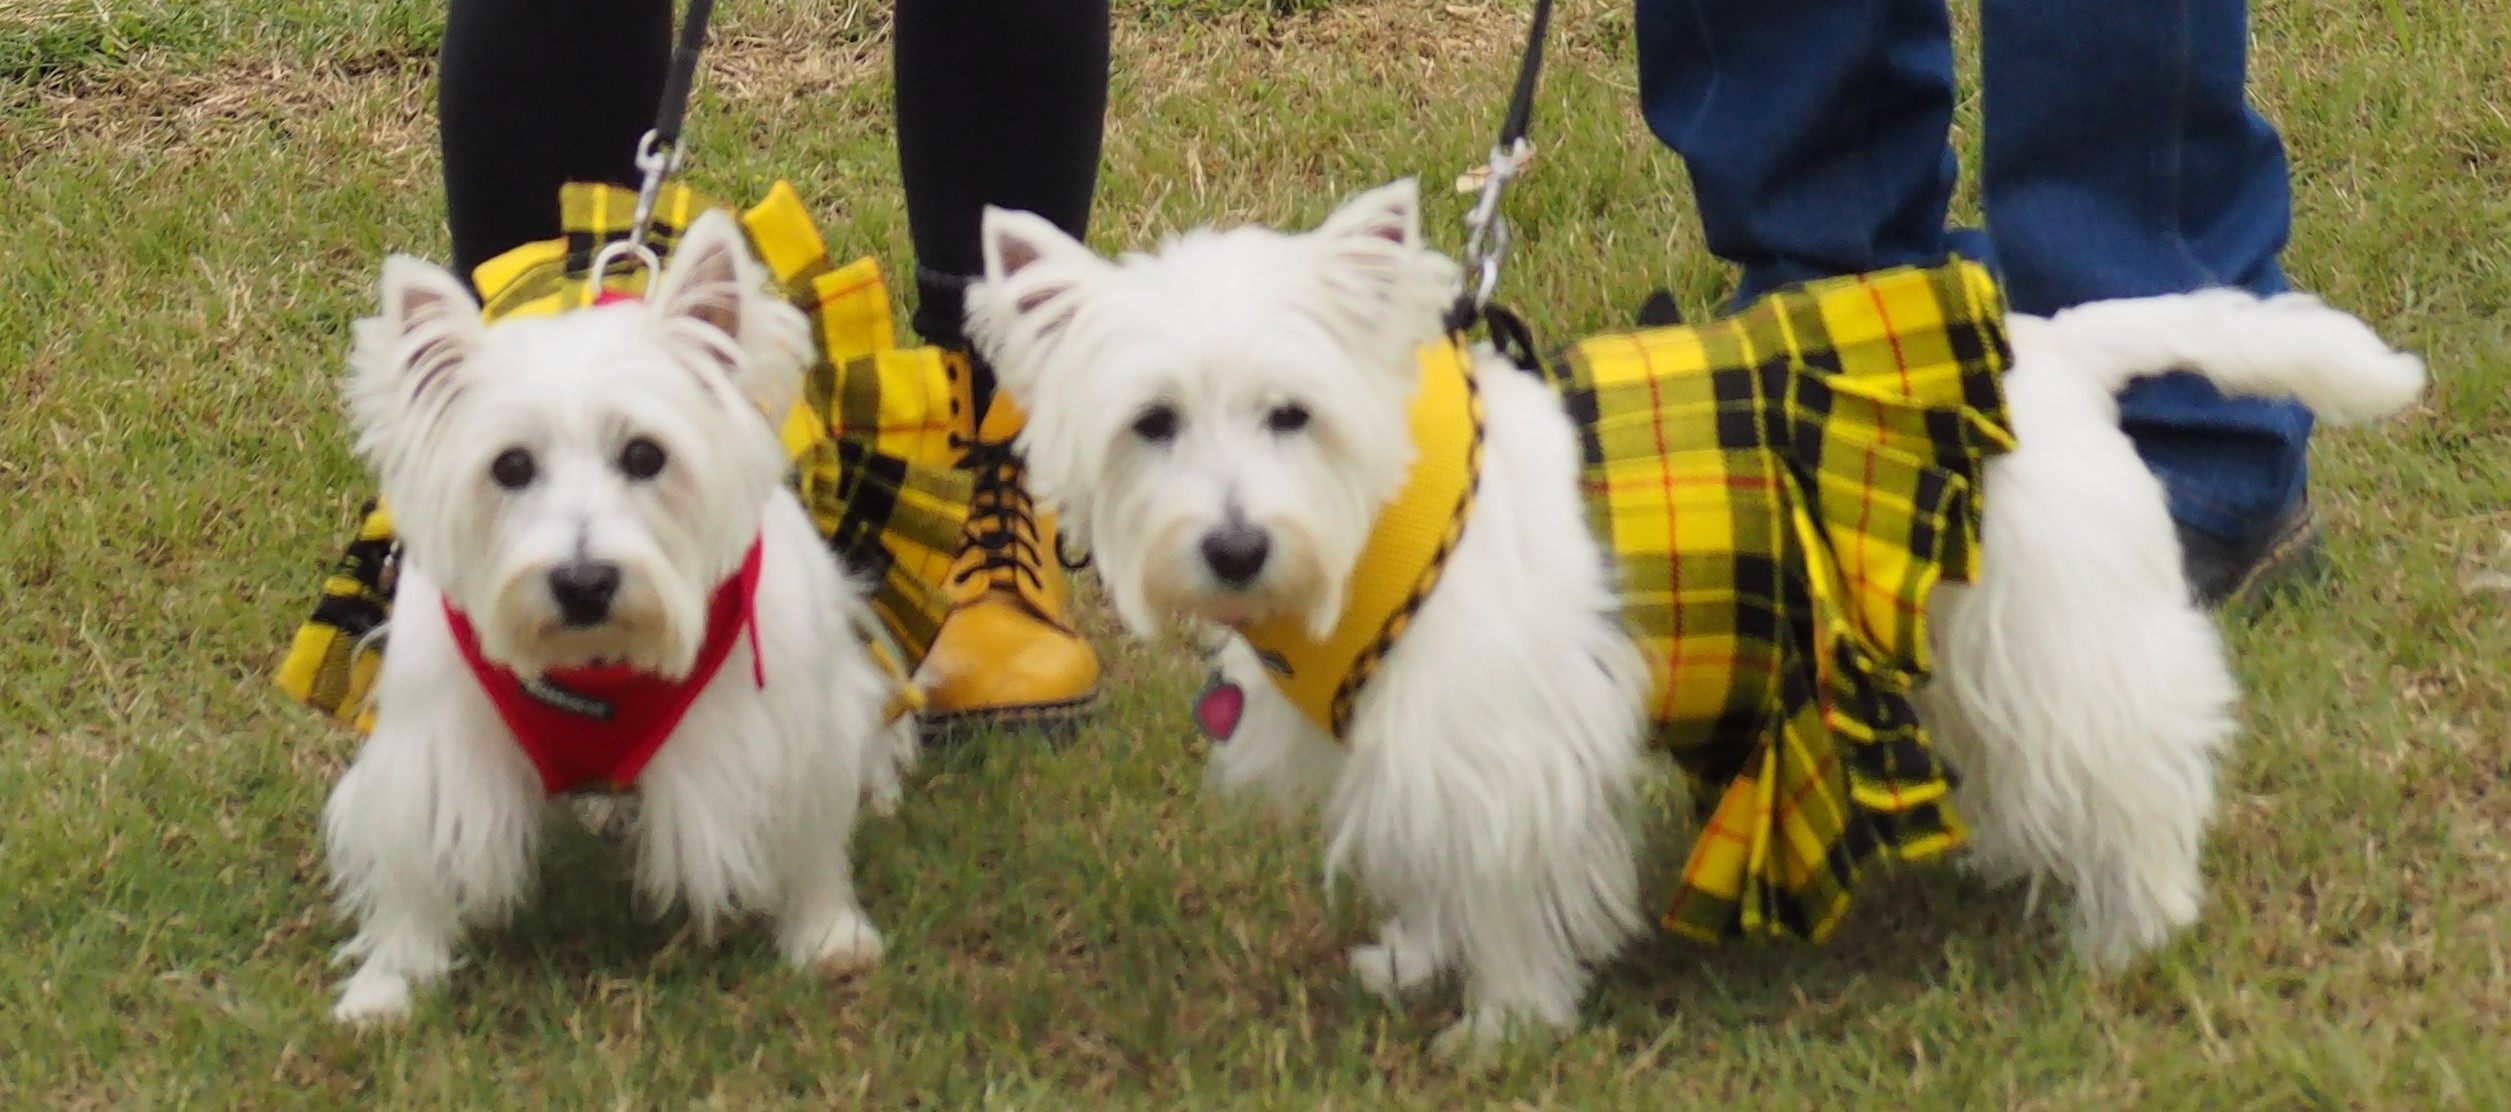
2121	159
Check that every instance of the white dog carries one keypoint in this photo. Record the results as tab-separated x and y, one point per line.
602	562
1222	421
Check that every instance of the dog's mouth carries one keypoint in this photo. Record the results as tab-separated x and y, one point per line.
625	642
1235	613
600	663
601	647
1180	584
1233	607
1241	610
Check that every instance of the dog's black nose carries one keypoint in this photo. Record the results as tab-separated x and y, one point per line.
1236	552
584	589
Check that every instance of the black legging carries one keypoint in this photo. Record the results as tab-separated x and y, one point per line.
999	102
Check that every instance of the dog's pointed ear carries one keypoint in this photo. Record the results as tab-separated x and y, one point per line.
712	299
706	276
1033	277
1034	268
1383	290
412	349
1389	214
419	296
1016	243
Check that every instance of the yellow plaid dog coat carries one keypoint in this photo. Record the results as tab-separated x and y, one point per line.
1780	490
870	439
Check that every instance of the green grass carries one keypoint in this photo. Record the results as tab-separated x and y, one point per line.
198	196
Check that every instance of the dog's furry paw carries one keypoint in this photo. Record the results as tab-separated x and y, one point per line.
612	818
1486	1031
841	944
1395	965
2134	919
886	783
373	999
1390	973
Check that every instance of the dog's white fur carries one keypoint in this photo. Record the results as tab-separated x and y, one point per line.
749	806
1483	796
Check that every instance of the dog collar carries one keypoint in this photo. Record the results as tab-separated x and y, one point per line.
1402	560
597	727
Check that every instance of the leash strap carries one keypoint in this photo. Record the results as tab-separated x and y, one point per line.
659	153
1529	68
1487	237
683	73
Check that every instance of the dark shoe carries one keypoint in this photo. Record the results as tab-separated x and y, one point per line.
1659	310
2238	576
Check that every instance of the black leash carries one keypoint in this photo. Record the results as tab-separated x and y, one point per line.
682	76
659	153
1487	236
1529	68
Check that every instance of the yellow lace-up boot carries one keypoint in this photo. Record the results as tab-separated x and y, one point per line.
1007	655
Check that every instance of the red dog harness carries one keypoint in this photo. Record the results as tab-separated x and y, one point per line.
599	726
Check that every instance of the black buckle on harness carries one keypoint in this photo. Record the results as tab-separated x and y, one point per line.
1508	333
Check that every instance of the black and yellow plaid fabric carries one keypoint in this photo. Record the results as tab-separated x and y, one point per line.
1781	490
870	439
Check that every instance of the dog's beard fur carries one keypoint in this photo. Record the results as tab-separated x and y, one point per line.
748	806
1481	798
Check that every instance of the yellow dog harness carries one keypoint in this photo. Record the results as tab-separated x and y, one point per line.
1780	490
870	439
1401	560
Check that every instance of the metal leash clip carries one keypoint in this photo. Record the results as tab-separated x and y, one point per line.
1486	228
1486	231
656	162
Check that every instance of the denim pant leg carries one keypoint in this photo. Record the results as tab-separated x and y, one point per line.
2122	159
1813	130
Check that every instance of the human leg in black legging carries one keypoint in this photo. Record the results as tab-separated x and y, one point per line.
1000	102
536	93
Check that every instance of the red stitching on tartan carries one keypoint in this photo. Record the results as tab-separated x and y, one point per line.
1726	659
1821	773
1889	333
1669	482
1691	868
1673	559
1865	512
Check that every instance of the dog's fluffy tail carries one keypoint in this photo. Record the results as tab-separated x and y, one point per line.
2287	346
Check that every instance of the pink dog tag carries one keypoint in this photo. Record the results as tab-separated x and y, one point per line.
1216	711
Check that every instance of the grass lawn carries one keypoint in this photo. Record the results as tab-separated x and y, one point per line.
200	191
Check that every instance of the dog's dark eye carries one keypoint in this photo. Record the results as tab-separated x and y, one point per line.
513	469
1157	424
641	459
1287	417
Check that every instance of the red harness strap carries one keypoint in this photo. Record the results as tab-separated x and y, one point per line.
599	726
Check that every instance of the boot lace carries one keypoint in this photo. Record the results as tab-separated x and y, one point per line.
1002	521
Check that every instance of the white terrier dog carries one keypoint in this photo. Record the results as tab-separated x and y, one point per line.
1223	420
605	582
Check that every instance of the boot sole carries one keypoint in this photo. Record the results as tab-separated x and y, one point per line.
2293	561
1051	721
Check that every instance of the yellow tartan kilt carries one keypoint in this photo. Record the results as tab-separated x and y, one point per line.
870	439
1781	490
